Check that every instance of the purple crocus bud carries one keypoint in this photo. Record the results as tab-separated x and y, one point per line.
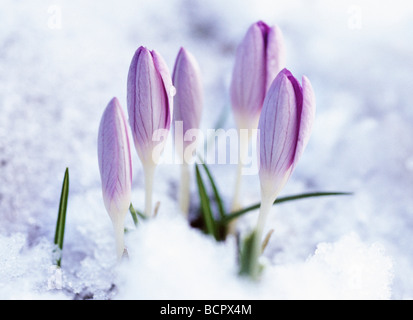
188	100
115	167
149	102
284	130
188	103
259	58
149	95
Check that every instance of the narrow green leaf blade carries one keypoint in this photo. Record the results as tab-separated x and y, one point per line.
311	195
133	214
205	205
249	255
239	213
217	195
61	218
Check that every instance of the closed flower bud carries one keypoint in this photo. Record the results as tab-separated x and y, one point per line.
188	103
115	167
149	96
284	128
149	102
259	58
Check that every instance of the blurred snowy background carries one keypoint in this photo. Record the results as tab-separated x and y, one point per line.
62	61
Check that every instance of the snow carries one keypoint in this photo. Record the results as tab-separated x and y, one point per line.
346	269
62	61
163	266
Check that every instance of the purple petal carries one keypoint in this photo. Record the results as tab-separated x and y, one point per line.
115	160
306	119
248	78
275	54
259	58
278	127
148	100
189	97
285	126
163	70
264	29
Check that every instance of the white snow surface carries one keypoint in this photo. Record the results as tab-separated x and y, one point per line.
57	74
167	267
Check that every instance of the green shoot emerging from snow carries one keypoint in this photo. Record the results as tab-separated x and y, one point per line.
61	219
216	222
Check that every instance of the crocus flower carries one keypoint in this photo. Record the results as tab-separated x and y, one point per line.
285	126
149	100
188	103
259	58
188	100
284	130
115	167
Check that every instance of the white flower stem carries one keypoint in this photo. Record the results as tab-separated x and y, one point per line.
243	140
149	171
266	204
184	190
237	188
243	151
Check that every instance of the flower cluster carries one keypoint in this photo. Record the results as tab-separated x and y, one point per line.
150	96
264	96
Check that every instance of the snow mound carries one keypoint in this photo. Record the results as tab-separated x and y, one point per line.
346	269
28	273
168	260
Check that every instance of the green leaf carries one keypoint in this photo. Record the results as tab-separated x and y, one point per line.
217	195
61	218
133	214
205	206
249	256
239	213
